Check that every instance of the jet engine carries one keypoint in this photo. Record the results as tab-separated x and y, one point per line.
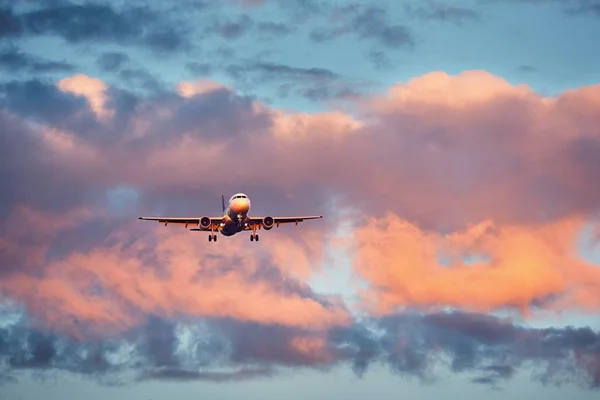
204	223
268	223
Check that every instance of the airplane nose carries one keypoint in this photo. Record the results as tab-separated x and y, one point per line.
240	205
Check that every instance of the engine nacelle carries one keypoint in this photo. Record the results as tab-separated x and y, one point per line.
268	223
204	223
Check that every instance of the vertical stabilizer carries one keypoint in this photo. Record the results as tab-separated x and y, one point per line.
223	202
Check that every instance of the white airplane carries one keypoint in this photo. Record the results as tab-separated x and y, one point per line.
235	219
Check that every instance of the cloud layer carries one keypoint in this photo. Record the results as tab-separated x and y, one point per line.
462	191
487	349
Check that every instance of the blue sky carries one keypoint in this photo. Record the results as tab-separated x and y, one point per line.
305	56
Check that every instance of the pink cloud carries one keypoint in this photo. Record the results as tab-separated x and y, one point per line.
516	266
201	86
466	163
111	289
93	89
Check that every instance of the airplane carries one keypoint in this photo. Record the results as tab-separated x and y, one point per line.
235	219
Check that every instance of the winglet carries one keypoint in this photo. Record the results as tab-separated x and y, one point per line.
223	202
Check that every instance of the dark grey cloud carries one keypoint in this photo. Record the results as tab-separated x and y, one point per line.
196	68
585	7
232	29
140	78
12	59
42	101
441	11
313	83
176	374
10	25
527	68
275	29
324	93
378	58
302	11
98	22
373	24
488	350
368	23
112	61
270	71
570	7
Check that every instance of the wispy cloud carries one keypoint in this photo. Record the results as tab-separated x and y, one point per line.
13	59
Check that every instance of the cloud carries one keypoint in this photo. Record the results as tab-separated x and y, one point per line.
43	102
199	68
10	26
93	89
527	69
476	167
78	23
569	7
13	59
439	11
90	299
526	269
378	58
455	181
274	70
315	83
584	8
111	61
275	29
199	87
232	29
412	345
368	23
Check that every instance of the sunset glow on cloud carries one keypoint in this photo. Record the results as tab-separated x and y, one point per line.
456	199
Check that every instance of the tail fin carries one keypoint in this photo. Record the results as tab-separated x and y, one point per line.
223	202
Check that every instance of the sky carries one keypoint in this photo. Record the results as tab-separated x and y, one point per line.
451	146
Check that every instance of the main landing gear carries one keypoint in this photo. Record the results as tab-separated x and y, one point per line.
212	238
254	235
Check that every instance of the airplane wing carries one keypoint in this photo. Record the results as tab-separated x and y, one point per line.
182	221
276	221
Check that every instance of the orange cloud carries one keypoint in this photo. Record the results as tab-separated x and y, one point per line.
515	266
113	288
93	89
468	89
200	86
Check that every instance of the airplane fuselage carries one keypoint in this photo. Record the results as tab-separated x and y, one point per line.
236	214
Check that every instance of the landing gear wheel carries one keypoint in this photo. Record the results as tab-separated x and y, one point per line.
214	238
251	238
210	238
256	237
